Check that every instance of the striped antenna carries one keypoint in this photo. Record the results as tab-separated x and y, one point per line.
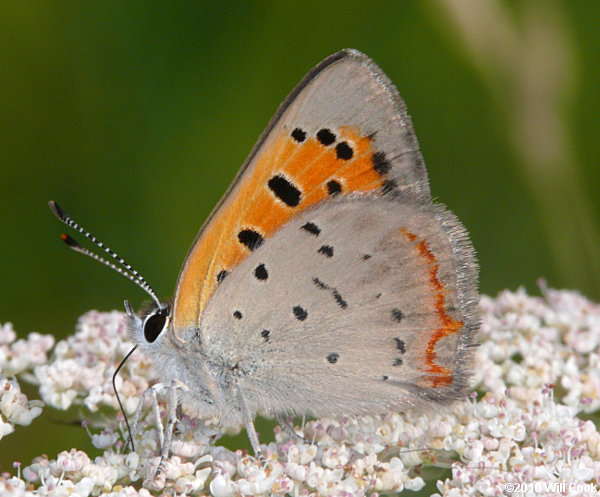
129	272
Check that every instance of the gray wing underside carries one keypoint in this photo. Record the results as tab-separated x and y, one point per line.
333	314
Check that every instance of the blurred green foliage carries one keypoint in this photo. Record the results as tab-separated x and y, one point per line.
136	115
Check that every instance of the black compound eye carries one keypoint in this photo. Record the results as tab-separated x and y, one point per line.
154	325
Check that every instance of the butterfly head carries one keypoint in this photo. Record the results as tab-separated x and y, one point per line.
148	326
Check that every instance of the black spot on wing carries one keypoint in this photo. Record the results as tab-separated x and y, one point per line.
333	358
266	334
299	135
326	250
300	313
389	186
251	239
325	136
397	315
237	315
344	151
261	273
336	295
333	188
400	345
380	163
222	275
397	362
339	299
312	228
285	190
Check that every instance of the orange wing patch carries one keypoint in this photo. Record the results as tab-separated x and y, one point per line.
440	376
294	173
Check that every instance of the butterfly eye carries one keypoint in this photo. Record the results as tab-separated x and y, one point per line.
154	325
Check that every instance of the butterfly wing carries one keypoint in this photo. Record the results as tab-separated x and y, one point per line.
343	129
358	305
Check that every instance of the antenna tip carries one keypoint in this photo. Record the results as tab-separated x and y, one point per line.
55	208
68	240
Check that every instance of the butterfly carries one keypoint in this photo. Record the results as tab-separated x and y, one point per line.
325	282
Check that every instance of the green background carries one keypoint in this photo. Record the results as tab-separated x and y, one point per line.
135	116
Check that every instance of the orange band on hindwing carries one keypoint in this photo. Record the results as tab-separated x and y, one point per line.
440	376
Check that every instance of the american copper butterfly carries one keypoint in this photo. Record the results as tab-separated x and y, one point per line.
325	282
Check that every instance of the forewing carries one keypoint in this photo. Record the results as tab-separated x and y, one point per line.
344	129
356	306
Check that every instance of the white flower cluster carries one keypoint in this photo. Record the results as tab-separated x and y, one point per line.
529	342
537	369
501	442
18	358
83	364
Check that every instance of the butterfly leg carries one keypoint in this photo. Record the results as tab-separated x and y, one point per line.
167	436
249	424
156	412
140	408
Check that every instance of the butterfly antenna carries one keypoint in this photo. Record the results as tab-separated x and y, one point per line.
129	271
73	245
114	384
